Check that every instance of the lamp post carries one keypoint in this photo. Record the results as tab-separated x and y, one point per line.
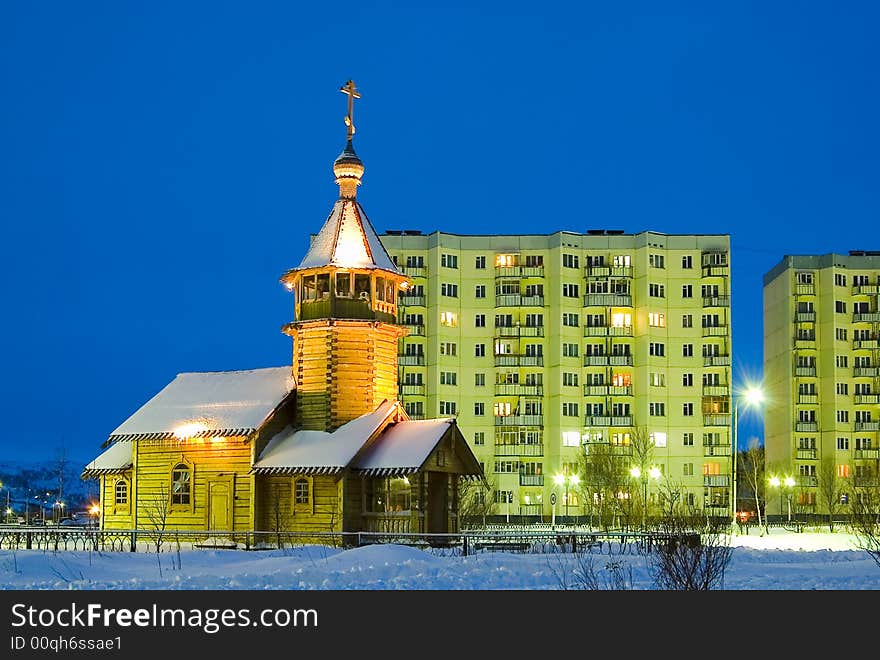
566	480
642	475
753	396
785	485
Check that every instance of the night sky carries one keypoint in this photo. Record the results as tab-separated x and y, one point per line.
163	163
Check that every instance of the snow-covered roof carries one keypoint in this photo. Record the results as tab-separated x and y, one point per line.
404	447
115	459
347	240
319	451
210	404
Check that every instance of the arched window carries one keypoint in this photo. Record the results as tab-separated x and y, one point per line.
301	491
120	492
181	484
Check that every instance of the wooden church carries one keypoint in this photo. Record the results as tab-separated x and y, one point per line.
324	446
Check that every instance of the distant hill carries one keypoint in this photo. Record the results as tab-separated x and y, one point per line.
35	484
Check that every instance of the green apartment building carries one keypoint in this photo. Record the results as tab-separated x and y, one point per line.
822	378
548	346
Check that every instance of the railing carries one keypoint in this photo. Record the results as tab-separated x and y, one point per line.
417	389
519	420
517	300
865	289
805	317
412	301
866	426
519	271
717	450
866	371
519	331
716	301
411	360
414	271
806	480
866	454
866	317
515	360
804	290
608	420
716	360
530	509
608	360
716	390
859	399
716	419
608	390
808	399
716	480
805	344
392	522
531	479
607	300
865	343
415	330
716	330
608	331
866	481
805	371
714	258
807	454
520	449
608	271
715	271
806	427
515	389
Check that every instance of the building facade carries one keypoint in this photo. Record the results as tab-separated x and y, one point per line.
548	347
822	378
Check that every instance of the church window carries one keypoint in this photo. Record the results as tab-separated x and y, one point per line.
180	484
301	491
362	286
343	285
323	285
121	492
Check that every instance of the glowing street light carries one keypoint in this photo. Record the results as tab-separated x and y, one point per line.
644	475
752	397
785	485
566	480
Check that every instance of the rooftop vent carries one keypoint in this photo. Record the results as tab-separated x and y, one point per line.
614	232
595	232
393	232
412	232
864	253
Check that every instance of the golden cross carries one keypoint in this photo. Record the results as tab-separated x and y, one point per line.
348	88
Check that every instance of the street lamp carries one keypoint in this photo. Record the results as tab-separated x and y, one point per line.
637	473
566	480
786	485
752	397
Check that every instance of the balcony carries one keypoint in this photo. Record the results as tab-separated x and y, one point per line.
716	270
717	450
865	290
871	454
807	454
608	331
608	420
414	271
806	480
716	390
412	389
714	258
860	344
530	509
412	301
805	371
608	360
861	399
512	360
866	317
411	360
607	300
519	331
522	449
804	290
517	300
519	271
805	344
531	479
805	317
808	399
608	390
866	426
716	360
716	330
716	419
515	389
415	330
866	481
608	271
607	448
716	480
519	420
716	301
806	427
865	372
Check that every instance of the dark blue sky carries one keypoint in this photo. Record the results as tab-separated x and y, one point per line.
163	163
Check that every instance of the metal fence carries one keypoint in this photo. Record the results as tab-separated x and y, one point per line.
508	539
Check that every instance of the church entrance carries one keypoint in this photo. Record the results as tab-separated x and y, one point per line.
220	505
438	502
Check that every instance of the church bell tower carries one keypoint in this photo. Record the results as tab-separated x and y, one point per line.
345	332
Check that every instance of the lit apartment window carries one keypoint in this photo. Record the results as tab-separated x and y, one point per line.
656	261
657	438
505	260
687	261
843	471
449	319
501	408
619	380
571	438
480	262
621	320
711	469
656	320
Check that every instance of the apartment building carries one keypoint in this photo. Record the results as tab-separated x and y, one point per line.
548	346
822	378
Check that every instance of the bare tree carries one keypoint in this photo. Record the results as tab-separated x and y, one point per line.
156	510
691	553
643	457
476	500
751	471
832	489
865	519
606	484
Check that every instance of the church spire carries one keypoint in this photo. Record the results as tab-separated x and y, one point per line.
348	168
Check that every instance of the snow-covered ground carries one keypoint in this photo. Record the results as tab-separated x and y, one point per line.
780	560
